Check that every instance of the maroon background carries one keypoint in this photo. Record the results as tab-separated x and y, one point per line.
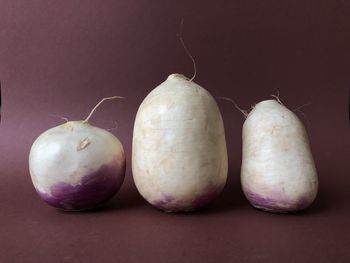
62	57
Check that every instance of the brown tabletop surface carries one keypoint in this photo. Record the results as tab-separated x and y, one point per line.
62	57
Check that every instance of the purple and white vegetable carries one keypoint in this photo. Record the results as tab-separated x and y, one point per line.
179	157
278	173
76	166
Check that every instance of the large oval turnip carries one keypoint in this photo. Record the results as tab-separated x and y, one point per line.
179	157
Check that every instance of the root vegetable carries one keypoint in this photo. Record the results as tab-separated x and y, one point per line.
278	173
76	166
179	157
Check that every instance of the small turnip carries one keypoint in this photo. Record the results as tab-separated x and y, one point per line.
278	172
76	166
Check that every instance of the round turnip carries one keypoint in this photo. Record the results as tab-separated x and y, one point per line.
278	173
76	166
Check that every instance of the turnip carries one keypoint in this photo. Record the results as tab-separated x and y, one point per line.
278	173
179	156
76	166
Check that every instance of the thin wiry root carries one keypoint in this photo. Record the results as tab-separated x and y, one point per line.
302	106
304	115
277	97
244	112
298	109
98	104
115	127
58	116
186	49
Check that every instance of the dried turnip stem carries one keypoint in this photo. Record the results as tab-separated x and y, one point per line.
98	104
244	112
302	106
277	97
180	35
58	116
298	109
114	128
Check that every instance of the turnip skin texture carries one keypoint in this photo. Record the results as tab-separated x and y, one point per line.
179	157
76	166
278	172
